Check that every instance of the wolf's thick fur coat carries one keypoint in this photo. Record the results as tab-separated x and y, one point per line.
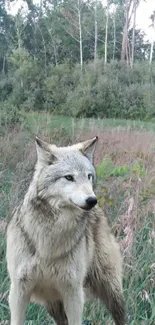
59	248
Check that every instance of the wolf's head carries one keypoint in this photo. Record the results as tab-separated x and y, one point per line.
65	175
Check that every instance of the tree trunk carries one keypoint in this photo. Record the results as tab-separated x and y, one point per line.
80	33
127	18
19	51
44	46
4	60
152	42
133	33
151	51
114	41
106	34
124	52
96	34
55	53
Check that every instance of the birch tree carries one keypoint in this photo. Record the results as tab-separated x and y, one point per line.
80	33
72	12
114	34
135	6
127	18
19	31
106	33
133	32
153	36
96	32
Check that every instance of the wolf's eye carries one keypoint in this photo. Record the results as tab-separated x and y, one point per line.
90	176
69	178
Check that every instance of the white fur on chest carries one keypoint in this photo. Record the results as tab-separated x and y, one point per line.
53	280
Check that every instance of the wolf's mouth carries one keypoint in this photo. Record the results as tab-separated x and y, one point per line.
86	208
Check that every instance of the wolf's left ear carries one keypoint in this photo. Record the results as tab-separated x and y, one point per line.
88	148
44	152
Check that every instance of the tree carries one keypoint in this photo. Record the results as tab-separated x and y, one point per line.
133	32
135	6
106	33
114	33
80	32
72	12
141	48
6	29
127	18
153	37
96	32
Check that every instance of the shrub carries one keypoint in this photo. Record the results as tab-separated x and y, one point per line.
113	90
9	116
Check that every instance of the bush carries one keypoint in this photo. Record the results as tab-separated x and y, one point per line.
9	116
113	90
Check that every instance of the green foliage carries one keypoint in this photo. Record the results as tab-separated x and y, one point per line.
113	91
26	81
107	169
9	116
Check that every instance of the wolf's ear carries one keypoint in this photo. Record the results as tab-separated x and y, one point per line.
44	152
88	148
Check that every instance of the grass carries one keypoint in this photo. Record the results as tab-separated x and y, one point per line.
37	120
127	198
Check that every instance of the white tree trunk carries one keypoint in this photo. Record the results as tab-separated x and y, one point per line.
125	35
80	33
19	51
133	33
151	51
4	59
106	34
127	18
96	34
152	42
114	35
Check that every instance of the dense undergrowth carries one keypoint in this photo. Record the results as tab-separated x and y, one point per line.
106	91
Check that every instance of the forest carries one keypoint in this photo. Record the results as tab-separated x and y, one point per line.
80	58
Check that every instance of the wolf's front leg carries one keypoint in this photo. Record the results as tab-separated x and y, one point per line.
18	302
73	305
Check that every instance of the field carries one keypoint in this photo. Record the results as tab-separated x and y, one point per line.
125	164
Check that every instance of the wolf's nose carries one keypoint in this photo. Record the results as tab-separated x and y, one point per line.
91	201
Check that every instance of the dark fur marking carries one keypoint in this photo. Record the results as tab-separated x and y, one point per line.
56	310
43	207
111	297
118	310
29	241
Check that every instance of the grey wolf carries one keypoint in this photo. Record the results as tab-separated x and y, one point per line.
59	245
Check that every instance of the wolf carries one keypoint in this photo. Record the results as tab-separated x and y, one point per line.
60	249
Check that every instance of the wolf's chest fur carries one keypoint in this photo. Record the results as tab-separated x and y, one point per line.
59	242
57	249
55	233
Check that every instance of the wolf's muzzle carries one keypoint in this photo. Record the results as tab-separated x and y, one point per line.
91	202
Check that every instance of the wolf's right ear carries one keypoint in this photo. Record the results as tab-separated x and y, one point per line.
44	152
88	148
